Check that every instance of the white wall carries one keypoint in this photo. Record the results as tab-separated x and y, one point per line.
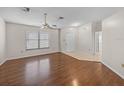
2	41
85	39
113	43
16	41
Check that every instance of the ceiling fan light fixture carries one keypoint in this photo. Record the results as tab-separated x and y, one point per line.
46	25
54	25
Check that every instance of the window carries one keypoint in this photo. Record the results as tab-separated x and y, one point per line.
32	40
44	40
37	40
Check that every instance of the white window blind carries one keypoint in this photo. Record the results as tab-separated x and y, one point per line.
37	40
44	40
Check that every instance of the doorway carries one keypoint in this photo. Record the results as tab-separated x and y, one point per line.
98	43
70	41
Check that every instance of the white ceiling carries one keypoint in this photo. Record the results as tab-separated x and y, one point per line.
72	16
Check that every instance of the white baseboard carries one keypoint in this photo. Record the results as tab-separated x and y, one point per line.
3	61
24	56
113	70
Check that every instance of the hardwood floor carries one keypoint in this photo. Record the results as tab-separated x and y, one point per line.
56	69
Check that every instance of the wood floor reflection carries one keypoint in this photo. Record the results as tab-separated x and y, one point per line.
56	69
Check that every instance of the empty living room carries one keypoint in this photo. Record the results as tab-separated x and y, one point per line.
61	46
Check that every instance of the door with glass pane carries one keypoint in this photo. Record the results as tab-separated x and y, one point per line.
70	41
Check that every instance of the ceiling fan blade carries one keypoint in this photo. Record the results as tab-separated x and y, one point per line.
46	25
54	28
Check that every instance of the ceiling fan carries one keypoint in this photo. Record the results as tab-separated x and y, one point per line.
47	26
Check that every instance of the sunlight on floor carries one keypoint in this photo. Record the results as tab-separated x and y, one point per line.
82	56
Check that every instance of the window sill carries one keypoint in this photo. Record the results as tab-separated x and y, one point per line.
37	48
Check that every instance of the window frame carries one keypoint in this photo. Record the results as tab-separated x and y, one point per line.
38	42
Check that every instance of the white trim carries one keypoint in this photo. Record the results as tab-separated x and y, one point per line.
3	61
12	58
8	22
25	56
113	70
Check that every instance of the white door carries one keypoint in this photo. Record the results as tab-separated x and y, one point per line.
70	41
